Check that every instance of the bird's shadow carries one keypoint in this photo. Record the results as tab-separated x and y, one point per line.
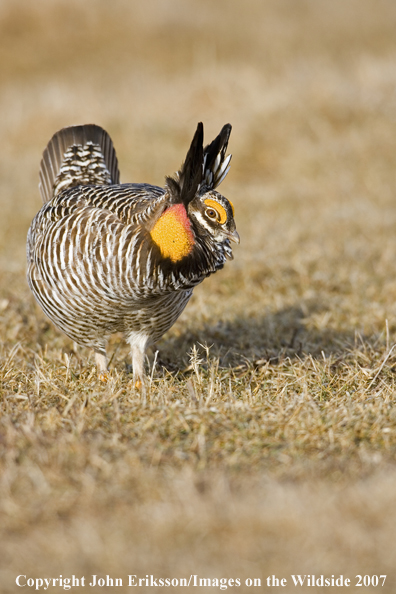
255	340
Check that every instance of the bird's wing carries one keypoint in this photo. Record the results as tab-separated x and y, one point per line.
132	204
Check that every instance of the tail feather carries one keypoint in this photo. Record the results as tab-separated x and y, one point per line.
77	155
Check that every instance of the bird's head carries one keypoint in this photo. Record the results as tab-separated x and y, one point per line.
211	214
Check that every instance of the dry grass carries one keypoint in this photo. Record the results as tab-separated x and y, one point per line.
267	442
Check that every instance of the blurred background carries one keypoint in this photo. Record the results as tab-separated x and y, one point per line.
309	87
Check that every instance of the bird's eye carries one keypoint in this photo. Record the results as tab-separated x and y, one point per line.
211	213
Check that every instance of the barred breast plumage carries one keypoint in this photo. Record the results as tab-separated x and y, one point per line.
105	257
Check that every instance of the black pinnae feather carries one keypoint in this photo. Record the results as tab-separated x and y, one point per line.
219	144
216	164
190	175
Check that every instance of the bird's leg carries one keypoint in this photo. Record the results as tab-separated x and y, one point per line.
101	363
138	342
138	367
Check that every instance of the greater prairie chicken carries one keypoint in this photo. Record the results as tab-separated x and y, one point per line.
105	257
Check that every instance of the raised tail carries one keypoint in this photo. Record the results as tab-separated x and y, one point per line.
77	155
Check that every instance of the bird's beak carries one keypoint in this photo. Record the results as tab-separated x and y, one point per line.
234	236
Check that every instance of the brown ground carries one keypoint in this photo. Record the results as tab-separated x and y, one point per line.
270	449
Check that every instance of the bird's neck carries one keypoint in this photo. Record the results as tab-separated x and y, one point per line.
172	233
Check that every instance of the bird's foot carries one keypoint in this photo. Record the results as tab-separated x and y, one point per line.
103	376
